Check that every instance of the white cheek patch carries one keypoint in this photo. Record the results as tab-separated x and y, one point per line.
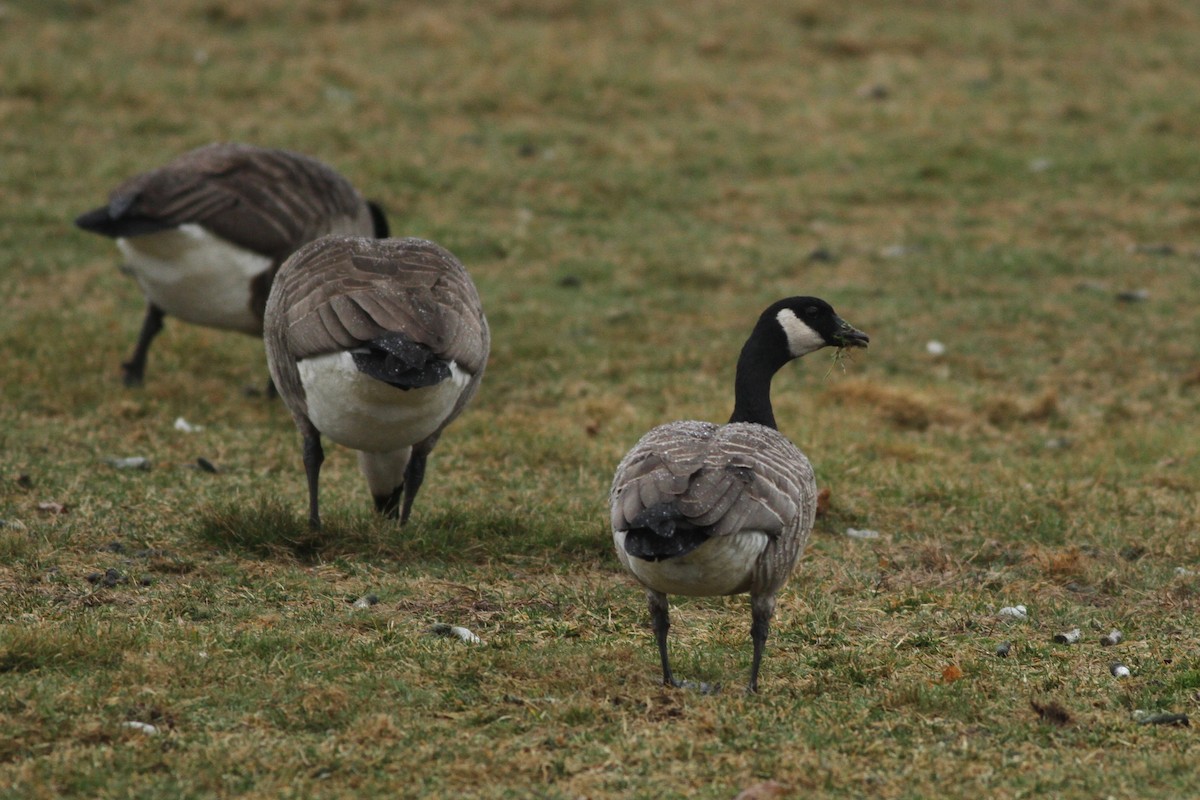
801	338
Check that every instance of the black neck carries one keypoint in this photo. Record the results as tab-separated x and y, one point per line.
757	364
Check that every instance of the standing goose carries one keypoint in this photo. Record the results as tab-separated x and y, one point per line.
378	344
204	235
702	509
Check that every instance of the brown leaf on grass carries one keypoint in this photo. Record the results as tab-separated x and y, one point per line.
1051	712
823	502
951	673
51	507
763	791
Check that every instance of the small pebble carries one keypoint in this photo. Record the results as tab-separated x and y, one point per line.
1119	671
1162	719
935	348
855	533
465	635
1016	612
133	462
1132	552
1040	164
874	91
1133	296
442	629
366	601
1113	637
183	425
1004	649
110	578
896	251
141	727
700	687
1068	637
821	255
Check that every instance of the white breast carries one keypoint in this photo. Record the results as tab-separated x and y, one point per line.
720	566
361	412
195	276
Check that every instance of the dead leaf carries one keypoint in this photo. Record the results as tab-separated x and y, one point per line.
823	502
951	674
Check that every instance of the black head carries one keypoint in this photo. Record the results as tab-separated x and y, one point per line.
808	324
379	220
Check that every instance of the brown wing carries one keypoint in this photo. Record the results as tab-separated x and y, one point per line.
340	292
268	201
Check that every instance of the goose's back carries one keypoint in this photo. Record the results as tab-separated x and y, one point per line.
269	201
726	479
341	292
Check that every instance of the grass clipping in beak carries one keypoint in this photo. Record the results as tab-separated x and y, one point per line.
841	355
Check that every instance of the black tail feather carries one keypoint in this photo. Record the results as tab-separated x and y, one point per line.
379	220
661	532
398	360
660	518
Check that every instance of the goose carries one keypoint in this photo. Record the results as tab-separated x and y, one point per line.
378	344
204	234
705	510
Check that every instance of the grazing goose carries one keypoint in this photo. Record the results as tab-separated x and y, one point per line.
204	234
702	509
378	344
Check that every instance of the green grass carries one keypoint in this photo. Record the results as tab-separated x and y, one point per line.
629	184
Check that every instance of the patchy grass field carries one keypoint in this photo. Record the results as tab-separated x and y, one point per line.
629	183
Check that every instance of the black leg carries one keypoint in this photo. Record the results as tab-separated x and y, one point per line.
414	476
660	618
272	392
389	504
134	370
761	611
313	456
